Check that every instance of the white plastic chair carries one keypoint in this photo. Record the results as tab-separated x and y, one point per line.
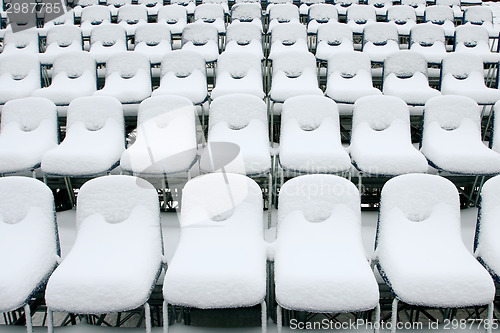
349	77
61	39
244	37
333	38
118	235
203	39
282	13
462	74
28	129
325	225
128	78
19	76
166	137
434	274
247	13
403	17
474	39
481	16
319	14
211	14
380	40
359	16
131	17
94	141
429	41
451	137
153	40
405	76
29	242
22	42
441	16
175	16
92	17
381	139
107	41
238	73
227	211
310	136
288	37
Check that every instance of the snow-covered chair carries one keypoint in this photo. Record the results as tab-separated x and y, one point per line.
222	215
19	76
66	19
224	4
94	142
92	17
349	77
203	39
310	136
282	13
324	225
305	5
451	137
107	41
117	256
154	41
481	16
319	14
333	38
131	17
22	42
462	74
293	74
240	119
474	39
238	73
359	16
405	76
28	129
211	14
184	73
247	13
420	209
454	5
288	37
380	40
343	5
381	139
418	5
441	16
128	78
61	39
189	5
74	75
115	5
152	6
166	137
244	37
29	242
429	41
175	17
486	238
404	18
381	6
271	3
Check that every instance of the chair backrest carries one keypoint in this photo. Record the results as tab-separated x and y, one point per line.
243	33
208	12
319	197
246	12
414	3
310	111
238	64
20	67
96	14
152	34
379	3
74	65
65	35
449	113
108	35
172	14
85	3
427	35
448	3
401	14
380	33
293	64
237	111
182	63
478	15
128	64
283	13
461	65
405	64
199	34
348	64
26	40
361	14
380	113
95	113
334	33
118	3
288	33
345	3
323	13
471	35
438	14
132	14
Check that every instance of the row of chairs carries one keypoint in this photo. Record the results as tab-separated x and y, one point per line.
118	256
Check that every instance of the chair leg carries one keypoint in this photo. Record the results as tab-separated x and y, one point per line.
71	193
360	182
50	321
394	318
147	315
270	200
376	324
491	309
165	317
27	315
263	307
279	318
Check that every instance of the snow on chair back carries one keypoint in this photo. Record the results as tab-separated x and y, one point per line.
174	16
166	137
451	137
358	16
419	209
429	41
22	42
131	17
61	39
381	139
247	13
319	14
116	259
403	17
189	5
405	76
246	38
238	73
441	16
29	242
333	37
319	220
128	78
310	136
224	4
283	13
19	76
153	40
211	14
349	77
381	6
343	5
417	5
107	41
28	129
203	39
481	16
462	74
222	215
94	16
74	74
304	5
94	141
288	37
379	41
474	39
